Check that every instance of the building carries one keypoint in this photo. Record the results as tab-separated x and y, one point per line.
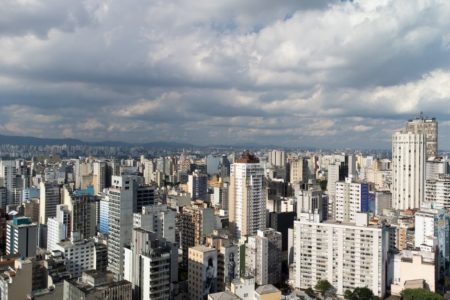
351	198
16	283
8	175
244	287
408	170
121	200
194	223
429	128
79	255
150	265
433	226
277	158
94	285
99	176
347	255
298	170
337	171
103	223
437	190
21	237
247	196
159	219
267	292
202	275
50	197
263	257
198	186
58	228
311	199
414	269
83	215
436	166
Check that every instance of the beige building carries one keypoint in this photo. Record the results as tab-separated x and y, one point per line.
414	269
16	283
202	272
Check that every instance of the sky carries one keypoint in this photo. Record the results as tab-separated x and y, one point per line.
310	73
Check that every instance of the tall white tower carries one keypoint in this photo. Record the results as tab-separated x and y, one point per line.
247	196
408	169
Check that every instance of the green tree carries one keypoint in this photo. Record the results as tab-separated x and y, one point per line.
360	294
325	288
310	292
420	294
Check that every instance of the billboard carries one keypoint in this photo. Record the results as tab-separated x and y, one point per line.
209	273
231	263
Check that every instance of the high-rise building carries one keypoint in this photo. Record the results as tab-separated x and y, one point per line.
58	227
277	158
311	199
99	176
433	226
8	174
198	186
247	196
159	219
437	190
202	275
435	167
263	257
121	199
103	223
351	198
408	170
150	265
429	128
194	223
16	283
79	255
298	170
21	237
50	197
348	256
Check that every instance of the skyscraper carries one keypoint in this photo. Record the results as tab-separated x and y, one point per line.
408	169
429	128
50	196
247	196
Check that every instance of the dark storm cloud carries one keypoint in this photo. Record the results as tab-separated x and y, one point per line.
321	73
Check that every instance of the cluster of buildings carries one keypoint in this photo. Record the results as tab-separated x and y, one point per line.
229	226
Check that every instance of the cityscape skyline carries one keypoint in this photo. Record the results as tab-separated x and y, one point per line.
308	73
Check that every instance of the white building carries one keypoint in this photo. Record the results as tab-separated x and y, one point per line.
58	227
408	170
99	176
157	218
121	200
351	198
277	158
79	255
347	255
263	257
247	196
436	166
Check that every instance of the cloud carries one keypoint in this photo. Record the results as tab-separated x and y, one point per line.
298	73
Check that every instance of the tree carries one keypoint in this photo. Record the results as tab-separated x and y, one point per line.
359	294
310	292
325	288
420	294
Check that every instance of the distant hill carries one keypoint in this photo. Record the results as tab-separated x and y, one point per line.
34	141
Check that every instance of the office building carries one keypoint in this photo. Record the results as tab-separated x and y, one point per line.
50	197
21	237
298	170
277	158
437	190
99	176
58	228
198	186
79	255
247	196
8	175
16	283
